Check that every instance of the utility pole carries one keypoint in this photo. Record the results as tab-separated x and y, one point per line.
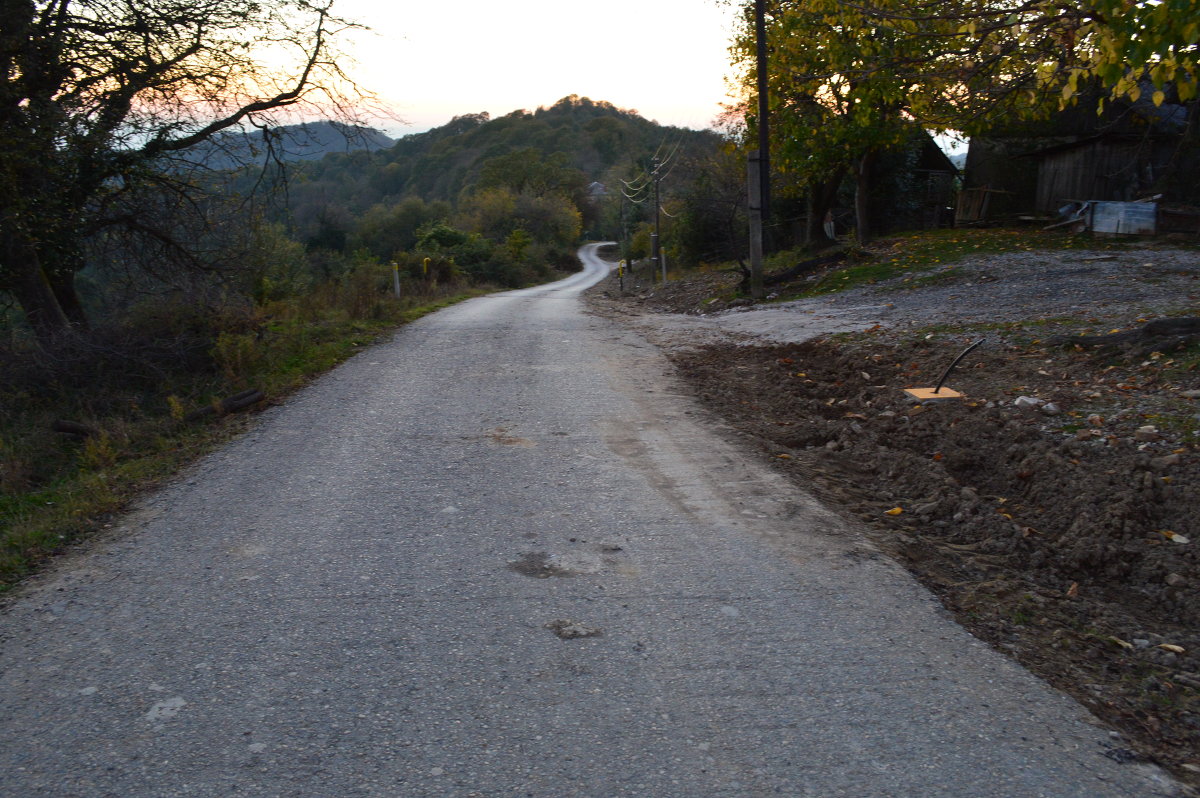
622	233
754	191
764	137
758	167
655	252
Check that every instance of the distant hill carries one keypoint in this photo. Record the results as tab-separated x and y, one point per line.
594	137
290	144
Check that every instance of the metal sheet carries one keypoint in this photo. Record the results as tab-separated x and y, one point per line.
1131	218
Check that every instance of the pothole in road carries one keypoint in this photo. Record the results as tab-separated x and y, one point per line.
539	565
501	436
567	629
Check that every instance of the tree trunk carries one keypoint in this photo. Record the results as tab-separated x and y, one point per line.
63	285
821	199
26	280
862	197
37	300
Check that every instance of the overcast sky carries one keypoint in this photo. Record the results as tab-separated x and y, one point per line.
432	61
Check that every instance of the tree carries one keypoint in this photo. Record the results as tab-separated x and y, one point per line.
526	171
835	108
386	230
847	79
711	224
102	99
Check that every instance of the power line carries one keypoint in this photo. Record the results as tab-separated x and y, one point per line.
629	183
634	201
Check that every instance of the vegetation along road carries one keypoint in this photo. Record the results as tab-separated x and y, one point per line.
499	555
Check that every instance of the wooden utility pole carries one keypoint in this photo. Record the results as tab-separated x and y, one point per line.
764	130
753	182
655	251
758	174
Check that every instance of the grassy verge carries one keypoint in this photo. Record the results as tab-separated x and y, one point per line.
928	253
56	489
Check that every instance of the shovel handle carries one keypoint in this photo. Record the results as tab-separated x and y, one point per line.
954	363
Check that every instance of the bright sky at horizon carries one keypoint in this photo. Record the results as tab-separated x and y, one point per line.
428	62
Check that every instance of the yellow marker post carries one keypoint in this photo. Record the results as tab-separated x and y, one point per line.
396	278
425	267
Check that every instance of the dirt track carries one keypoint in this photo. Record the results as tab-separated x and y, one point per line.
1056	532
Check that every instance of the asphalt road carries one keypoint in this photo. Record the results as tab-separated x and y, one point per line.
498	556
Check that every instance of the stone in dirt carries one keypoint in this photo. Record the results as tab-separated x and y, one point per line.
1166	461
1146	434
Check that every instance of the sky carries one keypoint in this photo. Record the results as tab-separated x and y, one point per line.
430	61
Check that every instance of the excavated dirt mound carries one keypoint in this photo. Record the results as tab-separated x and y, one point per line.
1053	509
1059	538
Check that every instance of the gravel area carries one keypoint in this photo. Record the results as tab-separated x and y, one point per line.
1015	286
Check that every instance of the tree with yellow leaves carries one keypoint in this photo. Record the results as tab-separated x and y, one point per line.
848	79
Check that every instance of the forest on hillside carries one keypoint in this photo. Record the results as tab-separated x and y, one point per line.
507	198
505	202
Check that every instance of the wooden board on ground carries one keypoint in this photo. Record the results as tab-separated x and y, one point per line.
928	394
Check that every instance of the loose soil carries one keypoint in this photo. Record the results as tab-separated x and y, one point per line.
1065	532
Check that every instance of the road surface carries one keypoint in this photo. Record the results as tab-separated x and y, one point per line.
498	556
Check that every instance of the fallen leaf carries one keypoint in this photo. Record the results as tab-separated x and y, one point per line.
1073	590
894	511
1174	537
784	456
1121	643
1174	649
1027	531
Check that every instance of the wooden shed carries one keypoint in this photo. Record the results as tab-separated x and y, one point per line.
1119	168
1132	150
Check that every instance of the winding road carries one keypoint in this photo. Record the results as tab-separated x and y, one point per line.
500	555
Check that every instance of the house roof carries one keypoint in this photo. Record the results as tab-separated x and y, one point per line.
933	158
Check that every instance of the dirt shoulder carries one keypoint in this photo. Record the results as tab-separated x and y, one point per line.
1062	528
